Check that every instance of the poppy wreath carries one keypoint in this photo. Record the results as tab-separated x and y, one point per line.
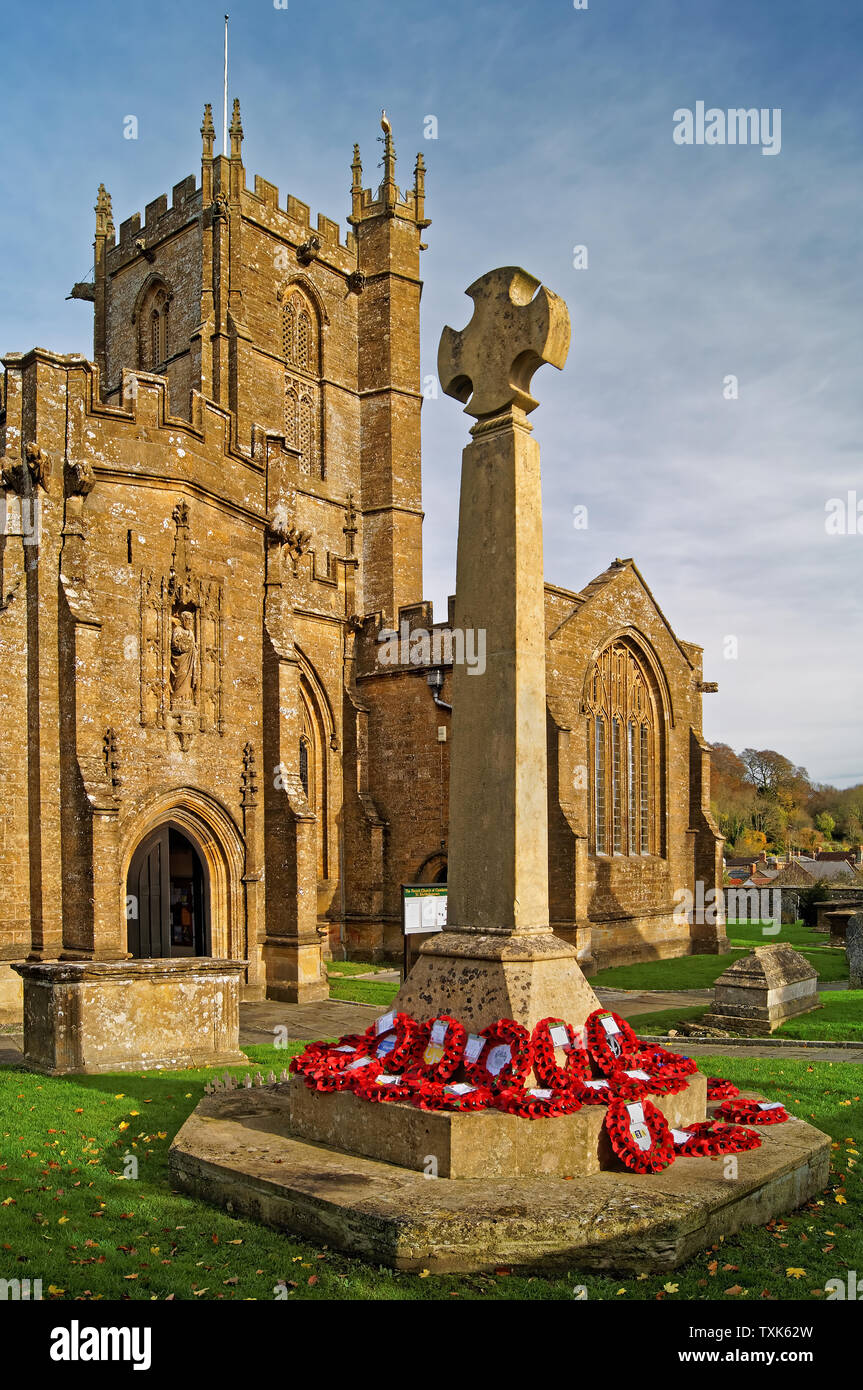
623	1087
343	1078
666	1083
650	1160
331	1056
718	1089
443	1095
599	1044
505	1033
750	1112
545	1057
361	1075
707	1139
539	1103
382	1086
593	1090
453	1048
660	1062
404	1029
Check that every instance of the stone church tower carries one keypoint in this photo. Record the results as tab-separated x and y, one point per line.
208	532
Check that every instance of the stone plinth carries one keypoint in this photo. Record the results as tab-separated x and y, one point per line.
836	922
95	1016
479	979
484	1144
846	899
236	1152
854	950
760	991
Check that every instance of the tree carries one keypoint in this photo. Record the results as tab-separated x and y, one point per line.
751	842
775	777
826	824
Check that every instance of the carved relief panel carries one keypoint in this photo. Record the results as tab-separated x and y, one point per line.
181	645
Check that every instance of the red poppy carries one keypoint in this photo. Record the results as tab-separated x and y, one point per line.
752	1112
593	1090
717	1089
391	1039
498	1056
610	1040
639	1135
449	1095
382	1086
707	1139
333	1056
438	1049
536	1103
559	1053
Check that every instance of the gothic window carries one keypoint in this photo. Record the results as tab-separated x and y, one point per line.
623	725
153	339
305	434
299	339
300	347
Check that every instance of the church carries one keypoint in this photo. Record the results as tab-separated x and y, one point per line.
210	746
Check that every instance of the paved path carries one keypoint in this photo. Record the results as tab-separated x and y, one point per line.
329	1019
259	1021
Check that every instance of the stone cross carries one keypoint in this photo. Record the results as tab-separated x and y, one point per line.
498	957
517	325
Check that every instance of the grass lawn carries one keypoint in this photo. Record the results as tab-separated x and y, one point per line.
73	1220
840	1020
375	992
700	972
353	967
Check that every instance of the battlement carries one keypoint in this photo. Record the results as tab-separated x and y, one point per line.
39	386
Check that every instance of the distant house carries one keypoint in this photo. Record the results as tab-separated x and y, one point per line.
803	873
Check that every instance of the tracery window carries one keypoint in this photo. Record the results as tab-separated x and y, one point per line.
300	349
623	729
153	335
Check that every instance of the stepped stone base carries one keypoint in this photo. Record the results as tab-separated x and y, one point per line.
236	1151
464	1145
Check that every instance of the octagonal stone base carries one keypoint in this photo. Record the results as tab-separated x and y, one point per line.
237	1152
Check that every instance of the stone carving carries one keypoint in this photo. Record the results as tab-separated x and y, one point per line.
181	644
517	325
249	779
184	660
309	250
34	467
112	761
80	479
282	530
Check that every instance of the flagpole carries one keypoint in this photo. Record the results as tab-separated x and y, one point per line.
225	97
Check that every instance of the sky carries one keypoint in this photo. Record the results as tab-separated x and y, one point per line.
554	131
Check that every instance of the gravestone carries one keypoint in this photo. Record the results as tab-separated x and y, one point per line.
762	990
854	950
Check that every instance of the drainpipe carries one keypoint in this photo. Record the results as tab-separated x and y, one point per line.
435	679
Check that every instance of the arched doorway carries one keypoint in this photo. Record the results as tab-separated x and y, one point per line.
168	897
